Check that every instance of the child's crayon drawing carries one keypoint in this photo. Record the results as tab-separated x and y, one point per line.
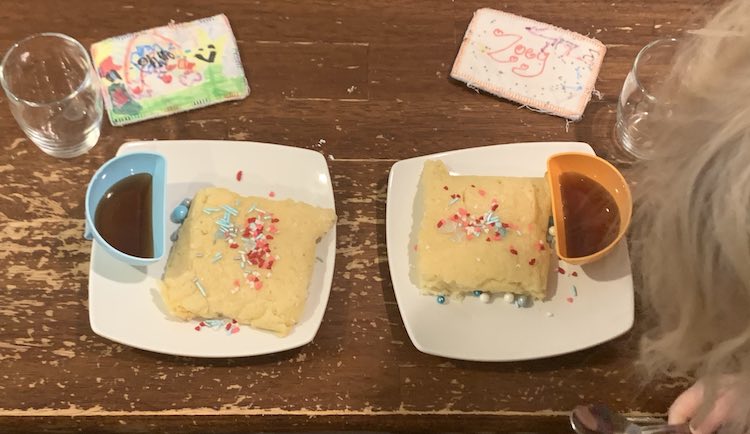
169	69
535	64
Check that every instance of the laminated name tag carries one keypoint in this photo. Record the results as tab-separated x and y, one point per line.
169	69
535	64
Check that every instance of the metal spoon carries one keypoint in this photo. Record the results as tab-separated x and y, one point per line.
599	419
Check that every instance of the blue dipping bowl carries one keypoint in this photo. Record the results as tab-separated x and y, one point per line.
115	170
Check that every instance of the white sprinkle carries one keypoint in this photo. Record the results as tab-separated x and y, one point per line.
552	231
550	314
485	297
351	89
509	297
331	157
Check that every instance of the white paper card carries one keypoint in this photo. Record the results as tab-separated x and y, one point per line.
535	64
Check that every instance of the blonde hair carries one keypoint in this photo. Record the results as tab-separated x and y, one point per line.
692	222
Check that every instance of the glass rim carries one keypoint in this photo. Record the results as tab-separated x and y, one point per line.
84	83
642	52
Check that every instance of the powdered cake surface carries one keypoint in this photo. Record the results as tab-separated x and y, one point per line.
482	233
246	258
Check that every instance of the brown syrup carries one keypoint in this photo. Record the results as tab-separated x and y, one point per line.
123	216
592	219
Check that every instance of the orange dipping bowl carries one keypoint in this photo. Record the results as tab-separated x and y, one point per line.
570	165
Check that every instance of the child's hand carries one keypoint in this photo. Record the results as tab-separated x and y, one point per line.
687	404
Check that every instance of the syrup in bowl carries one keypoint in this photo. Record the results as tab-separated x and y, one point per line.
592	219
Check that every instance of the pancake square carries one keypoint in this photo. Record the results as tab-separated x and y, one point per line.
244	258
482	233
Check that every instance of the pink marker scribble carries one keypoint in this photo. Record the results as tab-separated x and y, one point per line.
530	62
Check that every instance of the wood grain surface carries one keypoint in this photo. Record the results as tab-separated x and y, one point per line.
371	79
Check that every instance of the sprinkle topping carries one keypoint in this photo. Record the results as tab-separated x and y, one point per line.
464	225
250	239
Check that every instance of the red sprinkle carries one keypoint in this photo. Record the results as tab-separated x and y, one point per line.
513	251
570	299
228	326
197	328
574	274
272	194
494	207
234	321
445	187
233	246
239	175
532	261
482	192
488	239
560	270
440	223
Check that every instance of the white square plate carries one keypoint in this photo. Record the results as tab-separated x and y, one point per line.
124	301
470	330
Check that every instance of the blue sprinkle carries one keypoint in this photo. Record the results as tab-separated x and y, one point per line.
574	290
252	208
179	213
217	257
186	202
210	210
200	287
214	323
477	293
230	210
454	200
502	231
441	299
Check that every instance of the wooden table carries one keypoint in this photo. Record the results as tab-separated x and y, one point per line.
371	79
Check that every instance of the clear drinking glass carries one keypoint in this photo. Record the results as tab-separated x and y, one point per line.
635	128
53	93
